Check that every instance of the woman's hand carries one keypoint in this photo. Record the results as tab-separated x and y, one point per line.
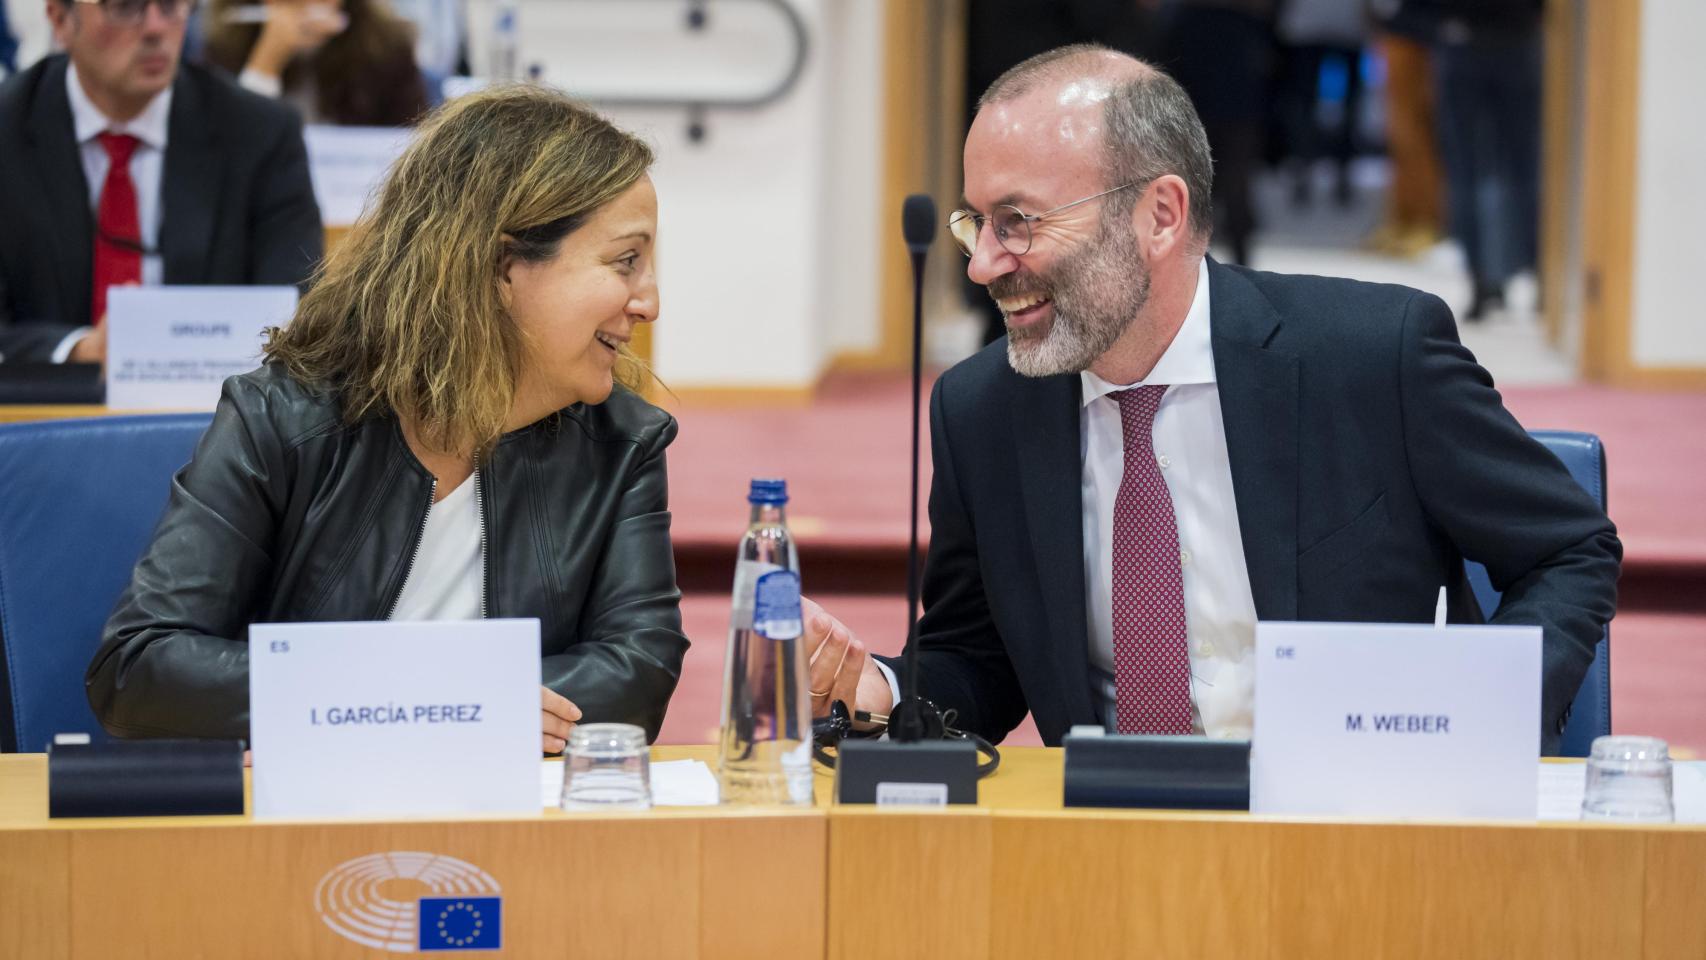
294	28
557	716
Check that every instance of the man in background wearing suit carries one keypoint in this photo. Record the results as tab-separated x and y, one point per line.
120	165
1165	450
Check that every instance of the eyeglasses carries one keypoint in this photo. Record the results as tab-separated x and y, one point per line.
1012	225
129	13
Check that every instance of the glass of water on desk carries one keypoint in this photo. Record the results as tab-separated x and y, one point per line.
1628	780
607	766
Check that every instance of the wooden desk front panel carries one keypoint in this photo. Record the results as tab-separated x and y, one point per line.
661	885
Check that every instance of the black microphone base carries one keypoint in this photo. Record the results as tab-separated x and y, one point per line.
926	773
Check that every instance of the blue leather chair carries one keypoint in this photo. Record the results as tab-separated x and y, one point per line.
1590	714
79	500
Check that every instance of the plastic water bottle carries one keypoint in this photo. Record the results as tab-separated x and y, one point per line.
765	754
506	43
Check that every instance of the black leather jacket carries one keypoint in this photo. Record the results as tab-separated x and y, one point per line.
286	514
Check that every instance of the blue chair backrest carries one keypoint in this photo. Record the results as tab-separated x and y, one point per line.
1590	715
79	500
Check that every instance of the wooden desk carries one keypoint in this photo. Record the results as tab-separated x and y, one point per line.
28	413
1015	877
1023	878
671	883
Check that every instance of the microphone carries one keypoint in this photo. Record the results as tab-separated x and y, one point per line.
914	718
923	761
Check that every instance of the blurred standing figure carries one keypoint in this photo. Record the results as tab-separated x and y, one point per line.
1413	220
347	62
1487	72
1222	53
119	164
1313	34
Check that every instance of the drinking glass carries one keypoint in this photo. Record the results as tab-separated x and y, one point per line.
1628	779
607	767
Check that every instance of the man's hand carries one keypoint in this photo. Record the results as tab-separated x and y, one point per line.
840	669
91	349
557	717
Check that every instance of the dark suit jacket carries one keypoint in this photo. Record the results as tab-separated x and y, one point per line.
1370	455
237	207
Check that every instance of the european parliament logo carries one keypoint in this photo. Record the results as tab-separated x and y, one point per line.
403	902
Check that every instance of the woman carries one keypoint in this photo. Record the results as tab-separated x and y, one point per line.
438	434
346	62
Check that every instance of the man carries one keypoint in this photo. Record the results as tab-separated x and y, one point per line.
120	165
1165	450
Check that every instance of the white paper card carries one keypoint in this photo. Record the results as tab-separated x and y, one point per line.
395	719
675	783
170	348
1562	786
1396	720
347	165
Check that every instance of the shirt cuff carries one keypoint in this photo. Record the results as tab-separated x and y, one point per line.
63	352
261	83
894	684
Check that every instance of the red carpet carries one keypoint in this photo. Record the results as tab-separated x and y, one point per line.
845	458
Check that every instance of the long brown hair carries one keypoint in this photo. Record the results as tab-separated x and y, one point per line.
364	76
405	315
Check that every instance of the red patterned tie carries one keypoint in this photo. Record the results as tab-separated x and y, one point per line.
116	263
1152	667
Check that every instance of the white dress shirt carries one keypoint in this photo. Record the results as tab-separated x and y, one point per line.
1190	447
147	167
450	563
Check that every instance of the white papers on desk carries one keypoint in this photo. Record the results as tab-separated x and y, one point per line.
1561	786
675	783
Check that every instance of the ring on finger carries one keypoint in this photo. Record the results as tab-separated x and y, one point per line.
819	693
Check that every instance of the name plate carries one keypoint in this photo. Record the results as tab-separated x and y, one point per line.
395	719
171	348
1396	720
347	165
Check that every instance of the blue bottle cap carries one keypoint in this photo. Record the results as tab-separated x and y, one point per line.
768	491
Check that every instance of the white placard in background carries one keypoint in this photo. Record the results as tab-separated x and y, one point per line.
395	719
347	164
1396	720
170	348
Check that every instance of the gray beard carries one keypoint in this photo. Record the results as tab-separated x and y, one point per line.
1096	293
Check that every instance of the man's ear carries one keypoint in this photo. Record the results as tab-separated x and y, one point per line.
63	21
1169	223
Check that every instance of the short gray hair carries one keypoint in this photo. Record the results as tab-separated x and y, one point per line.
1151	128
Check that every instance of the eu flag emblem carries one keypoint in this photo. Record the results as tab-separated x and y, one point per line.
461	923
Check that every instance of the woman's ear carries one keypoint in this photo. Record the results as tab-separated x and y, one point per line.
507	261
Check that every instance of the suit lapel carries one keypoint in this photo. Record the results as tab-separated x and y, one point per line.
1259	406
190	186
64	188
1045	419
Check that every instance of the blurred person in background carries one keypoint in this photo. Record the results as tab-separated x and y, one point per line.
25	35
344	62
119	164
1222	53
442	432
1413	221
1486	57
1317	36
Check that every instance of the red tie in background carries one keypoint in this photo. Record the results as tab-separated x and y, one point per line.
116	264
1152	667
